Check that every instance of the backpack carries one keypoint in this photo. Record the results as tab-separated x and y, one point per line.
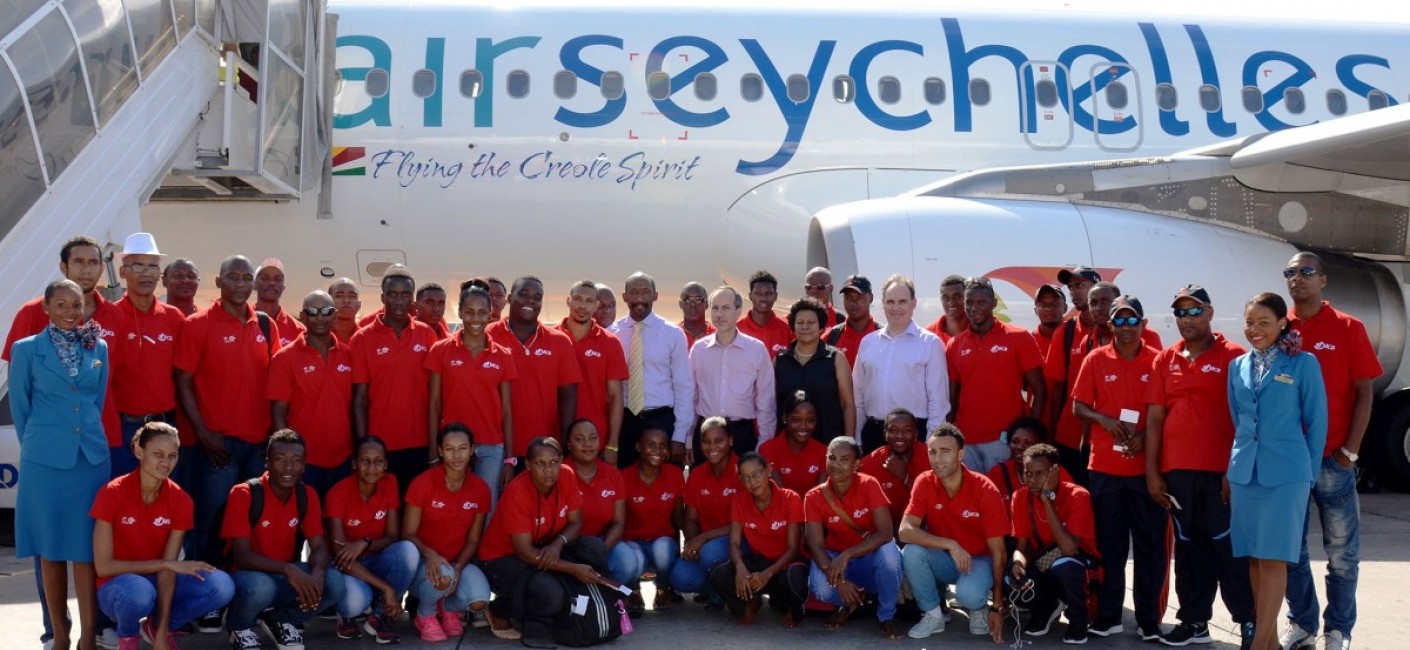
220	550
595	614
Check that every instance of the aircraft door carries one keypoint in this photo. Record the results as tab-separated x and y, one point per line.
1114	101
1047	122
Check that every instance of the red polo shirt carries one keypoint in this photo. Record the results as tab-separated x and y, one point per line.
230	361
710	496
799	471
938	328
600	498
394	369
600	360
862	499
1344	351
649	507
898	491
989	369
319	394
273	536
546	362
766	531
1198	432
1044	341
446	516
364	517
1109	383
774	334
1070	430
146	383
470	386
140	529
289	327
1074	509
523	510
974	515
690	340
849	341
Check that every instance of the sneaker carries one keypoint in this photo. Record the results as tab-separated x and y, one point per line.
1295	637
129	643
243	640
1107	628
348	628
430	629
149	632
286	636
1335	640
1039	624
1149	632
979	621
380	628
1075	635
1246	635
479	619
108	639
210	623
929	624
450	621
1186	633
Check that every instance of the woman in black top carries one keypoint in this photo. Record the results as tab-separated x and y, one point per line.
811	365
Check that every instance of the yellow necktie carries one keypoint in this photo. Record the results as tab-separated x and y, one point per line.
636	371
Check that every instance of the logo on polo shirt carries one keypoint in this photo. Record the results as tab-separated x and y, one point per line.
638	499
353	523
264	524
775	525
294	522
490	365
310	369
437	504
1211	368
607	494
419	348
728	491
813	469
888	485
165	338
456	363
998	348
469	505
667	496
105	332
259	338
1323	345
132	336
1146	377
343	367
231	339
591	353
382	351
1110	378
543	352
785	470
968	514
563	512
161	521
834	519
939	506
965	352
539	521
381	514
858	514
129	520
779	348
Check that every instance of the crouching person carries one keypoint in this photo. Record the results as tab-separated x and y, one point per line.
1056	532
267	520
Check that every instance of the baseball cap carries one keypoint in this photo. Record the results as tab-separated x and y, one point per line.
858	283
1193	291
1085	272
1128	302
1050	288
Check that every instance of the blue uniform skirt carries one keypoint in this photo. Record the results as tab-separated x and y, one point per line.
51	509
1268	523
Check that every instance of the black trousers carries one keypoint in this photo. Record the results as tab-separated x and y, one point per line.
787	590
1130	523
406	465
874	434
1204	554
633	424
1075	462
743	435
1065	582
530	597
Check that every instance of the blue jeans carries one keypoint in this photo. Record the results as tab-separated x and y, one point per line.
472	587
322	479
130	597
489	464
930	571
658	555
246	462
256	591
395	564
878	572
694	577
123	461
1334	494
621	562
983	456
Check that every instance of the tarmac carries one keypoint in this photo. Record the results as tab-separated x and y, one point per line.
1385	569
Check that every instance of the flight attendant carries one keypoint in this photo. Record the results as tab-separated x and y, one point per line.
140	519
797	458
709	493
655	510
604	498
766	524
58	381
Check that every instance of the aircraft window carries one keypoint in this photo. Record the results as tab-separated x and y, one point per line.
979	92
1377	99
471	83
613	85
423	83
658	85
889	89
337	82
844	90
751	87
565	84
1047	93
706	86
1294	100
1253	99
1336	102
934	88
1166	97
376	83
1117	96
1209	98
798	88
517	84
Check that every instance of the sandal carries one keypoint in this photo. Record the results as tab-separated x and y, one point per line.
889	631
508	633
839	617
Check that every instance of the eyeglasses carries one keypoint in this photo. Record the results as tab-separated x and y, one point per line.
817	287
141	269
751	478
1306	271
1181	312
320	311
693	300
1126	321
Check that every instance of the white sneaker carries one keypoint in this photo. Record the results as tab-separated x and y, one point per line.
979	621
929	624
1335	640
1294	637
108	639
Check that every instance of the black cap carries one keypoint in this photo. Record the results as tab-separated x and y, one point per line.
1192	291
1128	302
858	283
1055	289
1085	272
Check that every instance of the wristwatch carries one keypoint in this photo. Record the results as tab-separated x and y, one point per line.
1050	494
1349	455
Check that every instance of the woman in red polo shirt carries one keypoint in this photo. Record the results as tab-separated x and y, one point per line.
848	532
363	521
604	513
709	492
796	457
445	514
655	511
1023	432
139	522
764	535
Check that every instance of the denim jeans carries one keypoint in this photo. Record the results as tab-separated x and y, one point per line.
694	577
931	570
658	555
130	597
983	456
621	563
489	464
123	461
472	587
246	462
256	591
322	479
395	564
1334	494
878	572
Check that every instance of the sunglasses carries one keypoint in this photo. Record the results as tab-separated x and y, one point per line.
1181	312
320	311
817	287
1126	321
1306	271
693	300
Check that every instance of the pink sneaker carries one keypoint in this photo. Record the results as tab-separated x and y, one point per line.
129	643
430	629
149	632
450	621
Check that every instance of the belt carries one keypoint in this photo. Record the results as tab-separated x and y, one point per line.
653	409
167	417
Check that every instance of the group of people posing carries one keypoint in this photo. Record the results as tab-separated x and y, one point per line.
242	467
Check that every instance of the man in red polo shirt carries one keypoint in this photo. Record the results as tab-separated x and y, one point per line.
954	532
953	320
431	308
1049	305
694	303
310	391
990	364
817	284
222	364
601	363
1110	394
345	298
761	322
899	462
856	301
391	395
1349	365
269	289
1061	361
545	397
182	280
1189	434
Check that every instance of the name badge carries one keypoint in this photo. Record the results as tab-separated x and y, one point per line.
1286	379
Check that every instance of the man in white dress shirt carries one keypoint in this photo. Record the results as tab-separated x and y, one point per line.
899	365
659	391
734	378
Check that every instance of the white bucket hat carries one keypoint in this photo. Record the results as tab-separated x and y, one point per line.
141	243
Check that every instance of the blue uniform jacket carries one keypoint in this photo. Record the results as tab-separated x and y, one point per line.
1280	427
57	416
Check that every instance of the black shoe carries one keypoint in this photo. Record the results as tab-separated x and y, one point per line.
1075	635
1186	633
1106	628
1041	622
286	636
1149	632
1246	635
211	623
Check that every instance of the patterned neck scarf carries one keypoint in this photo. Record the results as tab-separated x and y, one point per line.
1263	362
67	343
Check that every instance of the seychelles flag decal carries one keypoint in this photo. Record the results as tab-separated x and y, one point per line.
349	161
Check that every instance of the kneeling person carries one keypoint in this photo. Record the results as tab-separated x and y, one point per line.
1056	532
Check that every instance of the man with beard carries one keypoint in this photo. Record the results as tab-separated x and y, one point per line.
545	396
602	364
660	392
